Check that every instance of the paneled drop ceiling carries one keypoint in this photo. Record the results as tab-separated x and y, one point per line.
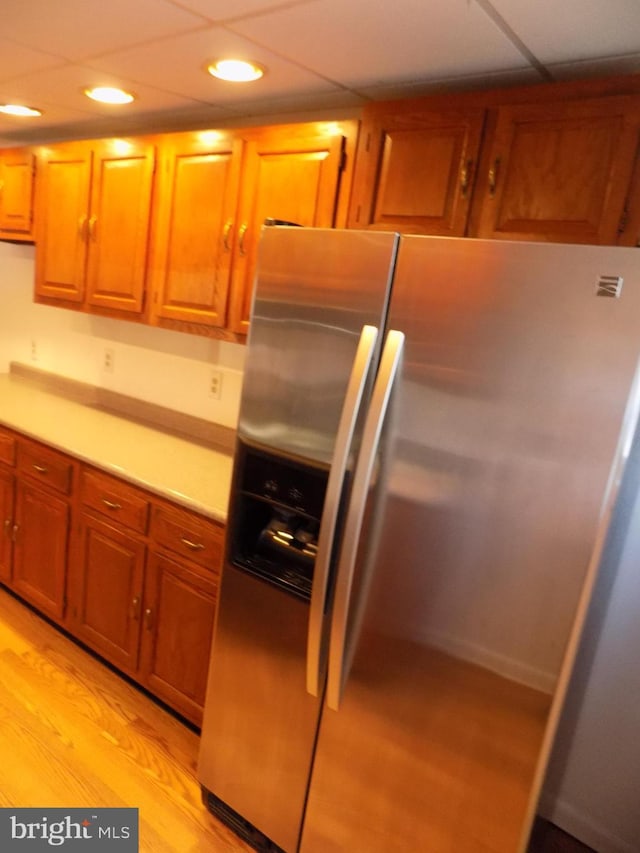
320	55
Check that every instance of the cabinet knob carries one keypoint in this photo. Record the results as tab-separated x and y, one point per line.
135	608
7	526
493	176
148	618
14	532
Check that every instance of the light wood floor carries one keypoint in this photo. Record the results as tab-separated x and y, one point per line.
73	733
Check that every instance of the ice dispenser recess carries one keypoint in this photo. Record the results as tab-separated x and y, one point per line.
276	518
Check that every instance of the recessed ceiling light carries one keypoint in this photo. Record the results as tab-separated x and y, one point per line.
235	70
109	95
19	110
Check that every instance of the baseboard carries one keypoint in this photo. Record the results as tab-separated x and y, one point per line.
585	829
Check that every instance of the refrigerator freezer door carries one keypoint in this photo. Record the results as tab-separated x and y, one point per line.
504	446
316	291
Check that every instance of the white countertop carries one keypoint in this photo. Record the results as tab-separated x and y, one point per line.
182	471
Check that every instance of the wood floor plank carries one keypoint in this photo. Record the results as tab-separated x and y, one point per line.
73	733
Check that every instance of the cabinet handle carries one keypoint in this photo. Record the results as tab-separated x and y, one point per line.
14	532
7	526
226	234
111	504
148	618
92	228
41	469
82	227
241	233
193	546
465	176
135	608
493	176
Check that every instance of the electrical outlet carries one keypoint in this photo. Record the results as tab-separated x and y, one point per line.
34	351
108	361
215	384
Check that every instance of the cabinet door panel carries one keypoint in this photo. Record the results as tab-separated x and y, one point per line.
291	179
17	182
118	228
179	608
40	548
560	172
415	172
192	253
6	524
106	593
61	249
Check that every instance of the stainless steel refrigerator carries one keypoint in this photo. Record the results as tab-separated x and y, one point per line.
432	436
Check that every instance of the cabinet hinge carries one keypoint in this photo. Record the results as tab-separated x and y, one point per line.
624	219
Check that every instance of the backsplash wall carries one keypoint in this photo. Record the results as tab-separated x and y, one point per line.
168	368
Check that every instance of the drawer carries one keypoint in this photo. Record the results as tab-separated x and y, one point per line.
7	448
45	465
192	536
117	500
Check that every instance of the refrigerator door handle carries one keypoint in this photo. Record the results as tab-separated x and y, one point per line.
338	652
361	367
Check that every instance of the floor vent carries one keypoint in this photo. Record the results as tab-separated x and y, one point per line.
238	824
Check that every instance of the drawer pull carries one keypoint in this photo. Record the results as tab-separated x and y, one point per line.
41	469
111	504
193	546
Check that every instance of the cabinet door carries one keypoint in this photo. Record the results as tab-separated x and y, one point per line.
560	171
105	591
291	174
118	225
40	548
62	218
198	197
17	182
415	171
179	608
6	524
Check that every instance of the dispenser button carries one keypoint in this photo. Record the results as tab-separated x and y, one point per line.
270	487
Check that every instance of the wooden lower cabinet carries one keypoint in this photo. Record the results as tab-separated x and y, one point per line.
40	548
142	588
7	486
105	592
178	615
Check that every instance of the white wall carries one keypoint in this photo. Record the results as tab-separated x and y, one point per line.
164	367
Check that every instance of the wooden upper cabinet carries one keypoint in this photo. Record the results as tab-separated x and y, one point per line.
193	234
118	226
416	169
293	174
63	210
94	213
559	171
17	189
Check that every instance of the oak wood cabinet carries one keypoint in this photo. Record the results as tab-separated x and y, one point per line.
142	588
560	171
197	197
7	491
44	481
292	173
94	216
416	169
17	194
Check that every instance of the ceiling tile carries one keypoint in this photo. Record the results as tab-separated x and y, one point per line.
224	10
15	59
409	40
179	65
574	29
76	29
64	88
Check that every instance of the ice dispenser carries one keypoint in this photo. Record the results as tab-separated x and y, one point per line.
276	517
